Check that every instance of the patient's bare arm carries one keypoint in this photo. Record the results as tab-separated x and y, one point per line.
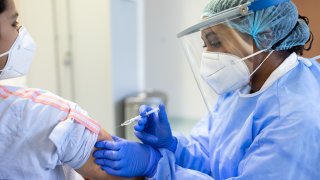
90	169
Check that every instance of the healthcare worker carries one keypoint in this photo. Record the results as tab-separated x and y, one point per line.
266	121
42	136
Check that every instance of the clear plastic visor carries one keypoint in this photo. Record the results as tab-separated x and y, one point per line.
212	41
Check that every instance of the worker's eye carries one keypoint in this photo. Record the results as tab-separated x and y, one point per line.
215	44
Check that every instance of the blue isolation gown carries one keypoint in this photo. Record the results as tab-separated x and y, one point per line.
271	134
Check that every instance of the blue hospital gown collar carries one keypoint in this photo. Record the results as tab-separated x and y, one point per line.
287	65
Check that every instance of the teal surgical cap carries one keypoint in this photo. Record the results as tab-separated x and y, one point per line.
268	26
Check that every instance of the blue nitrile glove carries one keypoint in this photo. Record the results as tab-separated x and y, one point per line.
155	130
126	158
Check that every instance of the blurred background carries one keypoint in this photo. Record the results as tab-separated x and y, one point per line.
110	56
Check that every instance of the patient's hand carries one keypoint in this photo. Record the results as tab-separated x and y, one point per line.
90	169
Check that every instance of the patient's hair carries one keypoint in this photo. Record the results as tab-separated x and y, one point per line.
3	5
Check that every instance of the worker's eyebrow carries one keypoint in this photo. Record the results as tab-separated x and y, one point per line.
207	33
211	33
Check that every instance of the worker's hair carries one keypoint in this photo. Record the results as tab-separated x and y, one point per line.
299	50
3	5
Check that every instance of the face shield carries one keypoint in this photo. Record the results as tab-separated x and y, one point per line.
221	55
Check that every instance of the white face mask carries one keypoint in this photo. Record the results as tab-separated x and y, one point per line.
226	72
20	56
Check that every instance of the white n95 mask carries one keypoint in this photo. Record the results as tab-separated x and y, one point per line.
20	56
226	72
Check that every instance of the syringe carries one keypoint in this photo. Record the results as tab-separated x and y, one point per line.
128	122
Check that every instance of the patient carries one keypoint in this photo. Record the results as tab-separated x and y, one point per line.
45	137
42	136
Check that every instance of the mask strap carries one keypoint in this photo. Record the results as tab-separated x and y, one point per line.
262	63
3	70
1	55
250	56
254	54
9	69
4	54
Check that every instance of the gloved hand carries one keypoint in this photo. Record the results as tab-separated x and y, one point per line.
155	130
126	158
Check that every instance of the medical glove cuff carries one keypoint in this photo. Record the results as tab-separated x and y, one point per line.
173	145
155	156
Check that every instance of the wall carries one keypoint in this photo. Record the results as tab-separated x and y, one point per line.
125	80
167	68
88	52
91	47
39	23
74	54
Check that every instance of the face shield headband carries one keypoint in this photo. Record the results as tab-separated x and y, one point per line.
231	13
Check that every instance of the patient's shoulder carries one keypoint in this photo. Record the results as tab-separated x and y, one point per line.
41	105
32	96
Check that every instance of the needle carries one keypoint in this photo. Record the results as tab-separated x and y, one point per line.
127	122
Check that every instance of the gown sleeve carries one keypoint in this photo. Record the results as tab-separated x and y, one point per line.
168	170
74	137
193	153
